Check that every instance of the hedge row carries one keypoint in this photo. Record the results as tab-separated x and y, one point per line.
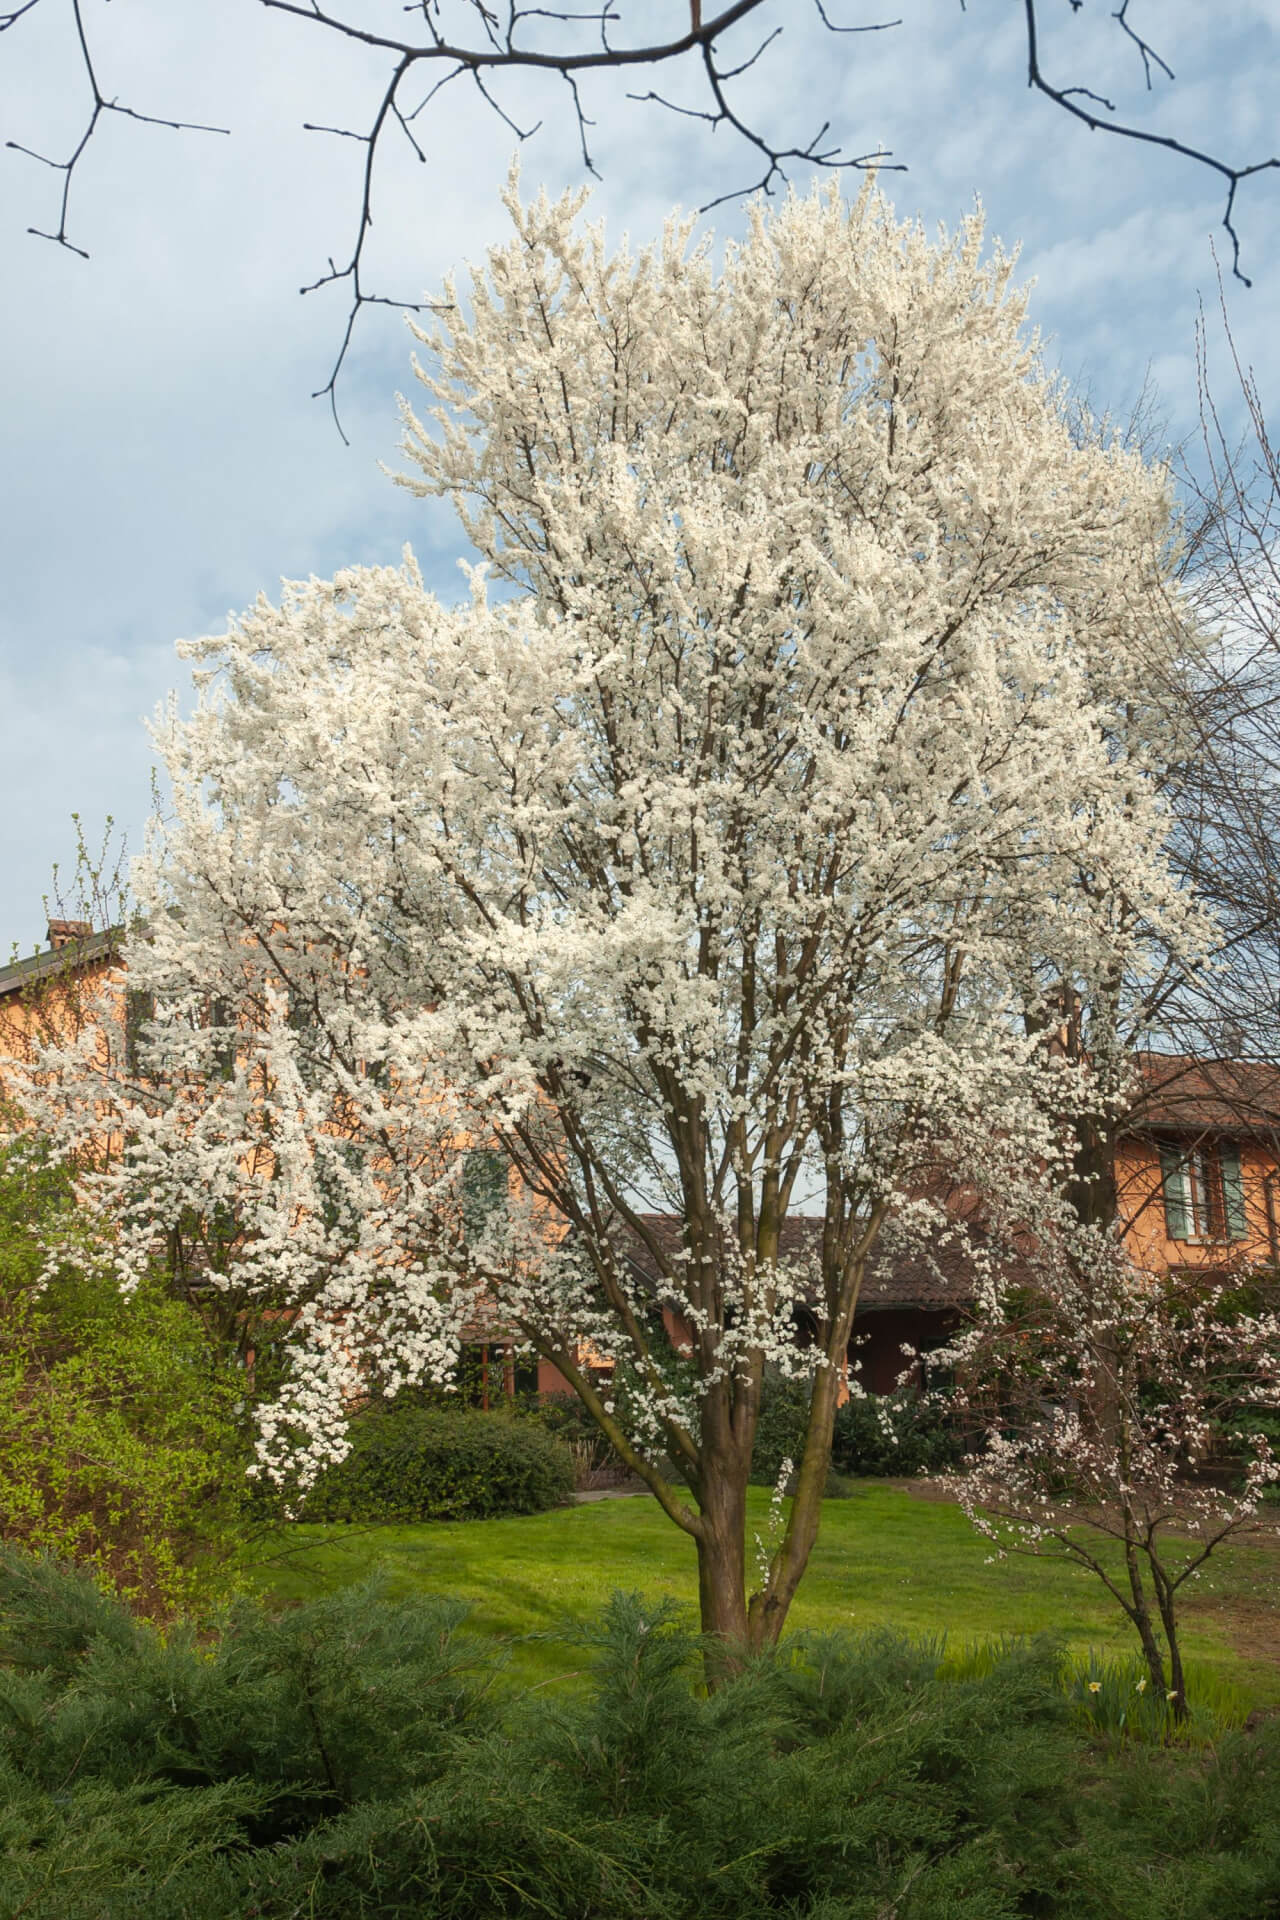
425	1463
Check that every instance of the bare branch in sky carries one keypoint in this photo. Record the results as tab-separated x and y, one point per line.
484	41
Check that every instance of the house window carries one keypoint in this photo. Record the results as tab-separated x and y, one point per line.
1203	1193
484	1189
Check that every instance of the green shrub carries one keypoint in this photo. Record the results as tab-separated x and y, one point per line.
347	1762
117	1420
784	1410
564	1415
889	1434
900	1433
423	1463
136	1768
1236	1431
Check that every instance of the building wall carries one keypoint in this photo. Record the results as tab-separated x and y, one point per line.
55	1010
886	1344
1140	1194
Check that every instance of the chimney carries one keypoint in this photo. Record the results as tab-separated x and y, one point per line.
62	933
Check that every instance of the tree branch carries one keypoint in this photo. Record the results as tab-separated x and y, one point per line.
500	44
1069	99
100	106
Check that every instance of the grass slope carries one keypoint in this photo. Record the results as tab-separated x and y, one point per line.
884	1557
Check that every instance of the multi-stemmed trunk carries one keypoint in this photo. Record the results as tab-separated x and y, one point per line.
736	1624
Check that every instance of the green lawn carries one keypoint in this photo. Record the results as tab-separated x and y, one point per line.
884	1558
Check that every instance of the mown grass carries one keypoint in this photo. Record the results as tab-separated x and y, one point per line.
884	1558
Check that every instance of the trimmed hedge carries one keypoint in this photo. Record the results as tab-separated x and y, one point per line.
435	1463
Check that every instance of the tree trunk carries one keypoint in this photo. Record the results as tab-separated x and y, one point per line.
1169	1619
1140	1611
769	1609
722	1574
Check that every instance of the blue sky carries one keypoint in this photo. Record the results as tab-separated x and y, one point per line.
165	462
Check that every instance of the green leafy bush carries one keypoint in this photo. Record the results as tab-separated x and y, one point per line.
424	1463
900	1433
564	1415
889	1434
784	1410
118	1428
1238	1429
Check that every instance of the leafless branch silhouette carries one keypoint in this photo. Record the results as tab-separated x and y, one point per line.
483	40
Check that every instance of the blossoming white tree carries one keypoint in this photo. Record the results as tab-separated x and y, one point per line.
705	862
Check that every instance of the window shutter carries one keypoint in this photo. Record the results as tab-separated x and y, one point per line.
484	1189
1233	1193
1177	1213
139	1008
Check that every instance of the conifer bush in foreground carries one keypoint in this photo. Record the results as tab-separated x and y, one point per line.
354	1759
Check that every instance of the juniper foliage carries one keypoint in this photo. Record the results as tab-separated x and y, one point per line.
352	1761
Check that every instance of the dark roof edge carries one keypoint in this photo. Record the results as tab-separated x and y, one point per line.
65	959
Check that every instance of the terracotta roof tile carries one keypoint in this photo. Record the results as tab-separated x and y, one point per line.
1185	1095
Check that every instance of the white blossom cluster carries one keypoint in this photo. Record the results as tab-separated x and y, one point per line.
713	863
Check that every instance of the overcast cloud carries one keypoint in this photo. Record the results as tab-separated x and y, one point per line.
165	461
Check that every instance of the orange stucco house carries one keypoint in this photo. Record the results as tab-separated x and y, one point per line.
1196	1168
1198	1163
1197	1177
79	981
53	994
